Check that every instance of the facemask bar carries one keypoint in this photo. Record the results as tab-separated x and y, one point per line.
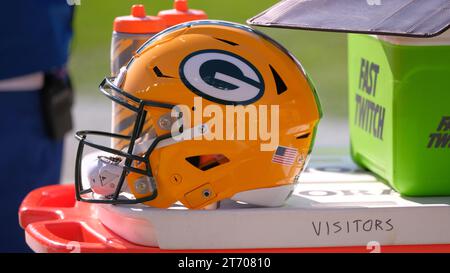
136	105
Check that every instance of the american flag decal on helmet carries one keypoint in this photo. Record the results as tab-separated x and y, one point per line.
285	155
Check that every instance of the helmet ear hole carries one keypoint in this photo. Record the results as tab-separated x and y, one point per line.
207	162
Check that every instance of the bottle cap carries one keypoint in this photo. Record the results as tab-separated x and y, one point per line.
138	22
181	13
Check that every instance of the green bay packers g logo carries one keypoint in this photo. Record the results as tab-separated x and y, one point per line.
222	77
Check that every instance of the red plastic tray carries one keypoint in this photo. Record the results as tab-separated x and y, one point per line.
55	222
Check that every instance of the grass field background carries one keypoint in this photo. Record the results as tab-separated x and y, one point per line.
322	54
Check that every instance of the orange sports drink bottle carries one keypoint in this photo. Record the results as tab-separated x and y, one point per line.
130	32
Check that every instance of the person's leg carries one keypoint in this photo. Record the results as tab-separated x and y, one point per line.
28	160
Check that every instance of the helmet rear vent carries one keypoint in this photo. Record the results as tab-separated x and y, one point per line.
303	136
227	42
281	86
159	73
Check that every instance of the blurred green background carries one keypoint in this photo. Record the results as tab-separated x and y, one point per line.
322	54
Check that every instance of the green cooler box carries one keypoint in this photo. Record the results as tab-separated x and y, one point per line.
399	110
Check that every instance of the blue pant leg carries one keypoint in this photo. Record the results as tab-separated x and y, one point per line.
28	160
